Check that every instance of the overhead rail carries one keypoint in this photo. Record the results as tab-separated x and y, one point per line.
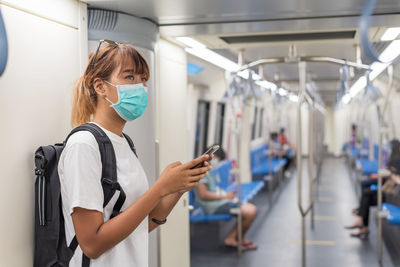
320	59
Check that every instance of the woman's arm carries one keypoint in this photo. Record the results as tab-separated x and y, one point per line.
96	236
207	195
163	209
165	206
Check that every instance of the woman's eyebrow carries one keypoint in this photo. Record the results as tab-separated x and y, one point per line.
128	71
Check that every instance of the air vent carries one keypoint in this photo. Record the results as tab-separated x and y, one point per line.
309	36
102	20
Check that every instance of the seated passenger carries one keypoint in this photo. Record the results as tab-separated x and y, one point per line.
284	141
372	179
369	197
214	202
278	150
353	137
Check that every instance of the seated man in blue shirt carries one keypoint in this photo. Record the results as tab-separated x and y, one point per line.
214	201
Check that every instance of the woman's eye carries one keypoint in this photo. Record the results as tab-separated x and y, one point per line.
144	79
130	77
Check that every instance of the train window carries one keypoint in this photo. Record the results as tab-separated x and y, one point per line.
254	128
203	111
260	125
219	126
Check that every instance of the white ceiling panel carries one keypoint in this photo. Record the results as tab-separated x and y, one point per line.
166	12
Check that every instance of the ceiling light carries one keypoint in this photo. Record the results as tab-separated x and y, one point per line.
282	92
267	85
390	53
190	42
358	86
214	58
244	74
346	98
293	98
390	34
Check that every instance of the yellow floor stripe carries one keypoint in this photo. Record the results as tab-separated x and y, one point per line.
314	242
326	187
324	199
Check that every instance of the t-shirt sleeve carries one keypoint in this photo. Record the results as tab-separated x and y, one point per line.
205	180
80	180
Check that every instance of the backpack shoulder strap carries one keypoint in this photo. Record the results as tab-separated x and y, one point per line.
109	164
131	144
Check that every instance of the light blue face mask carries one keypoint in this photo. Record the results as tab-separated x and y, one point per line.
132	100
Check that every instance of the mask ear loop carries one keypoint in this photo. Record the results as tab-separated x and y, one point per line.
105	97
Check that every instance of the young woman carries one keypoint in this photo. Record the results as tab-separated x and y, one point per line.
113	91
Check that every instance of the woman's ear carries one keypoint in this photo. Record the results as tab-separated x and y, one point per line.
98	86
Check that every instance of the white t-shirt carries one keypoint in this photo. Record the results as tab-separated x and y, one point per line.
80	173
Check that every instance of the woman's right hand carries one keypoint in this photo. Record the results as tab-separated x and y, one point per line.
178	177
230	195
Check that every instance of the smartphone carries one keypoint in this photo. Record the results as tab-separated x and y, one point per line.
209	152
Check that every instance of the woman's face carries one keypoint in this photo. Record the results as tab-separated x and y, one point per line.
123	75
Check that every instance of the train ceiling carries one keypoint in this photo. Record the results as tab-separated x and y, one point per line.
267	29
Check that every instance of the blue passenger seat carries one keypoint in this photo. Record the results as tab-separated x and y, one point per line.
393	213
263	164
224	179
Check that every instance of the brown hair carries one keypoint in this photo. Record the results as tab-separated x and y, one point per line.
107	60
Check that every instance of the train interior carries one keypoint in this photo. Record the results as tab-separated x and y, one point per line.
300	95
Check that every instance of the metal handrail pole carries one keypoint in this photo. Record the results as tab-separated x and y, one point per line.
239	188
311	161
322	59
302	74
335	61
380	197
380	164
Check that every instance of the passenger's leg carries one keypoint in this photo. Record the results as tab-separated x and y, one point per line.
370	199
362	210
249	212
287	164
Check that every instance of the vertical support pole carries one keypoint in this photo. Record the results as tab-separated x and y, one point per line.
380	196
302	89
311	143
261	71
238	178
358	54
239	192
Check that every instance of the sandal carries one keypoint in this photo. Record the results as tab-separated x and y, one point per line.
351	227
363	235
250	246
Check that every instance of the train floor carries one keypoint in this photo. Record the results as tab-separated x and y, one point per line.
277	229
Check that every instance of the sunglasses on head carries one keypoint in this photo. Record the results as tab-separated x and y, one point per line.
109	42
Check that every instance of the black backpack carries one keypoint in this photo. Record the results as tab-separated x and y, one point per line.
51	248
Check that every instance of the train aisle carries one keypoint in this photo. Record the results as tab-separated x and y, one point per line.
277	231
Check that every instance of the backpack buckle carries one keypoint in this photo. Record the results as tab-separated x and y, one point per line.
40	162
114	184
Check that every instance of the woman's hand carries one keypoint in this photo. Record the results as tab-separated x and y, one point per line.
230	195
178	177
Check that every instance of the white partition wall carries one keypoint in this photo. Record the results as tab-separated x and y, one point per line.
172	133
45	59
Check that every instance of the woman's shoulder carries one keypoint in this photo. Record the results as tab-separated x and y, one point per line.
82	138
